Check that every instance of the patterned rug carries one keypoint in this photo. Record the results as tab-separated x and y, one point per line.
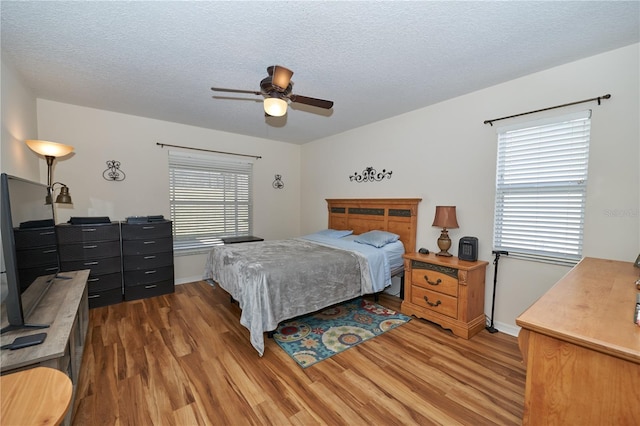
312	338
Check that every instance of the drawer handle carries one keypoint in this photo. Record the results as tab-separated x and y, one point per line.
55	268
46	233
149	257
151	286
432	282
150	272
89	247
426	299
93	296
92	280
148	227
48	251
149	242
88	229
90	263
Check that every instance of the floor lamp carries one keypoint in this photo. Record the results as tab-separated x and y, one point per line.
50	151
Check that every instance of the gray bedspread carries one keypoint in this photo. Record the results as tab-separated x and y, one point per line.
278	280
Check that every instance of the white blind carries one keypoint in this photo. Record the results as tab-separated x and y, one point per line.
210	197
541	183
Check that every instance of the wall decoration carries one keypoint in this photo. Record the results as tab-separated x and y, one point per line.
113	171
370	175
278	184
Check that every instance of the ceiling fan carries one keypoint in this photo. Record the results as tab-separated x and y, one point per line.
276	89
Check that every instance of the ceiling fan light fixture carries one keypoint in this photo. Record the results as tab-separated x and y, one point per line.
275	106
281	77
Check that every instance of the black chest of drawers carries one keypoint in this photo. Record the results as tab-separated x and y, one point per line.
147	259
36	253
95	247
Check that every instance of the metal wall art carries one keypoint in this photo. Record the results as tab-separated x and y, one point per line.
278	184
113	171
370	175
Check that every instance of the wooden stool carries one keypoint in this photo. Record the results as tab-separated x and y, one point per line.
38	396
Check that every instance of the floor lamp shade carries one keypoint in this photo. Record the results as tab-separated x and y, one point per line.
48	148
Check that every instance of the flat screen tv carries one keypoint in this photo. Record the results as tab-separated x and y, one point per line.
23	206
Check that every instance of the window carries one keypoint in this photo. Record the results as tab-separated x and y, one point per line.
210	197
541	183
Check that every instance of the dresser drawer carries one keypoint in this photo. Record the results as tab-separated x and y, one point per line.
133	278
98	266
89	250
36	257
36	237
149	290
104	298
135	247
85	233
104	282
153	230
28	275
435	281
433	301
147	261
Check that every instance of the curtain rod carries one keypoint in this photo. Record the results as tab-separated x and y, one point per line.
599	98
208	150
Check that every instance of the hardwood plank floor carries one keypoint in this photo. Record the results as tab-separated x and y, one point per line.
184	359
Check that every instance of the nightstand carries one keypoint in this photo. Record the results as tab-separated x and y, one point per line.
445	290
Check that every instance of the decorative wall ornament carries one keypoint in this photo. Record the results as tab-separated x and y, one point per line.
113	171
278	184
370	175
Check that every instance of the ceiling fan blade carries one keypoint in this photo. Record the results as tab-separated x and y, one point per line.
320	103
222	89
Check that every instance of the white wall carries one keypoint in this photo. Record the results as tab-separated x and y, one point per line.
447	156
19	123
18	110
99	136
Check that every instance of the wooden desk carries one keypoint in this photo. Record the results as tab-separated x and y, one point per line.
65	308
38	396
582	349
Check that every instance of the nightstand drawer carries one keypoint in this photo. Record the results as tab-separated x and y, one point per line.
435	281
434	301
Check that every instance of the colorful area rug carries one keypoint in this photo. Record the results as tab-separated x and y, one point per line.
312	338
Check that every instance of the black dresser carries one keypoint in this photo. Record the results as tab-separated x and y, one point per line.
36	253
147	259
95	247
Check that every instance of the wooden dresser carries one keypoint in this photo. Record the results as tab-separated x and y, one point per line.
445	290
582	349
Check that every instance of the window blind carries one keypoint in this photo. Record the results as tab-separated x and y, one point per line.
210	197
541	182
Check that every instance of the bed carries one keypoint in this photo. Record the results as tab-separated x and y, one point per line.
273	281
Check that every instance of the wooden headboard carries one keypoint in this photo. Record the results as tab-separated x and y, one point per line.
397	215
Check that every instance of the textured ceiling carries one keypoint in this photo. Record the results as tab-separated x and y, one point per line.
375	60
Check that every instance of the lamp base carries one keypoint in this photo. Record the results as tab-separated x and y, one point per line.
444	244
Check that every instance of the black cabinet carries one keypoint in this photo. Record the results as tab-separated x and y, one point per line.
36	253
95	247
147	259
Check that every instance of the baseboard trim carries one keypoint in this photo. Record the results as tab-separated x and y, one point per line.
188	280
511	330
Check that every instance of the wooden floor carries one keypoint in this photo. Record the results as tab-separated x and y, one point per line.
184	359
